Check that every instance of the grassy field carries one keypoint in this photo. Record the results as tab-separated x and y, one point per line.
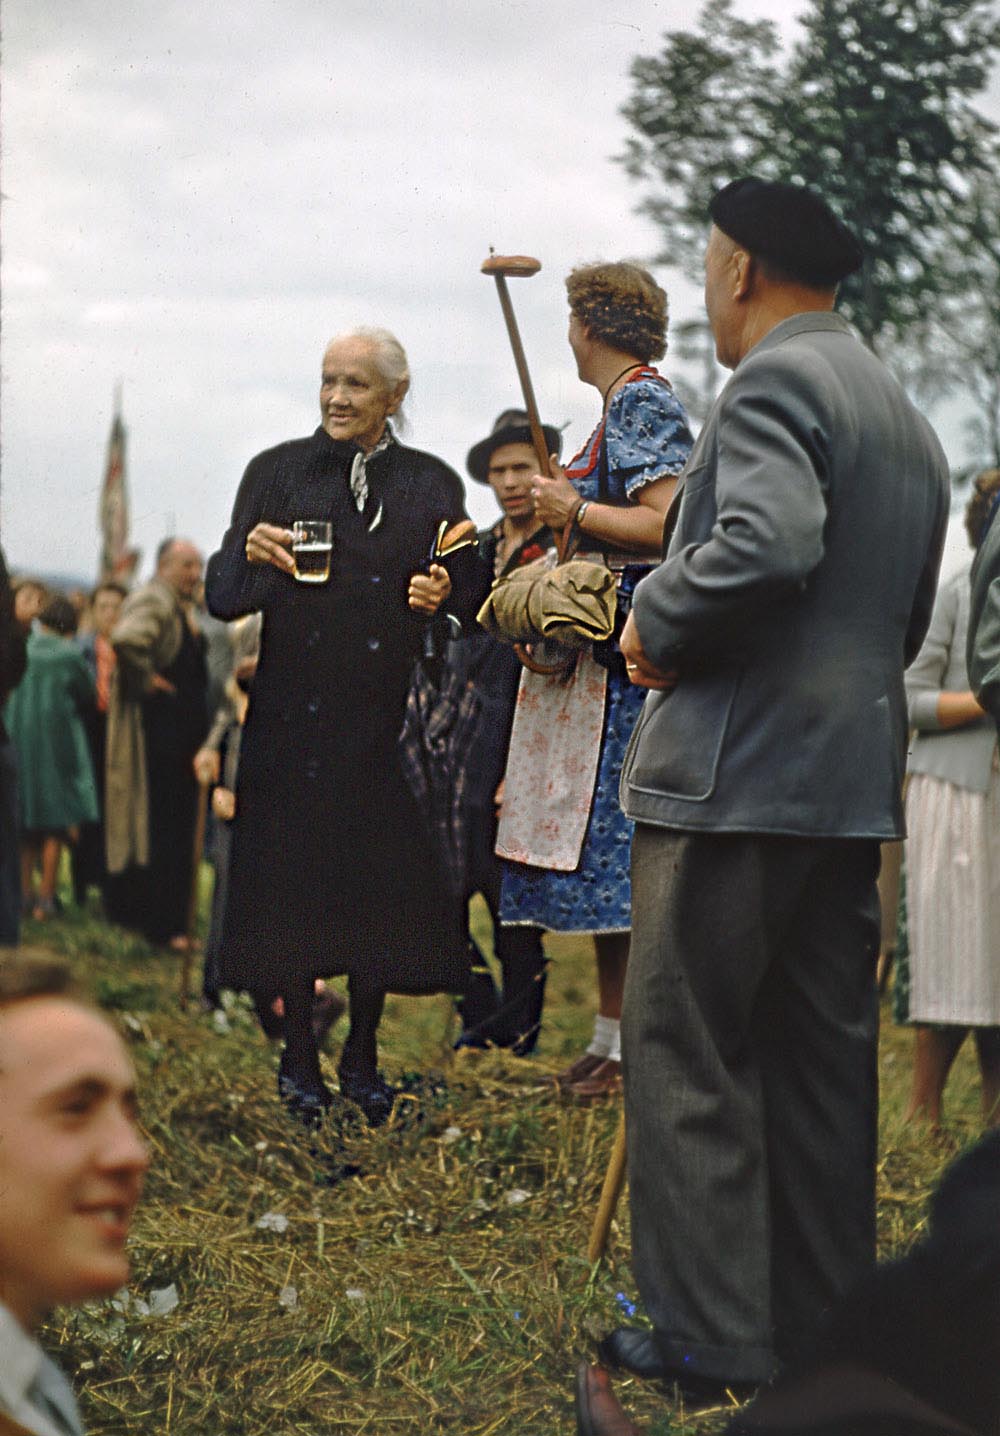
430	1276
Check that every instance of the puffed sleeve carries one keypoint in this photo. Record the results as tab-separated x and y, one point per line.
233	587
925	677
647	435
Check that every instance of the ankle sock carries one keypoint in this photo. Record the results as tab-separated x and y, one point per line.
606	1041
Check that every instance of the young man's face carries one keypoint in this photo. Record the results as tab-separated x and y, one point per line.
510	471
71	1158
106	610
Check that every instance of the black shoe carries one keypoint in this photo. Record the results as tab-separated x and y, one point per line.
638	1351
304	1094
371	1093
633	1349
473	1039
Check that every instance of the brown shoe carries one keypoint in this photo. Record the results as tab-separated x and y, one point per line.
604	1081
576	1071
598	1412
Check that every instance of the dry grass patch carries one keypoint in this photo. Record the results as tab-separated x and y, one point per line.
426	1277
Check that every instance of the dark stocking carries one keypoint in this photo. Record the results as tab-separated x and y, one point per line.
360	1054
300	1058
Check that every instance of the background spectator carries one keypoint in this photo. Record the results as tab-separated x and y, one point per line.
156	722
45	715
950	980
87	857
13	637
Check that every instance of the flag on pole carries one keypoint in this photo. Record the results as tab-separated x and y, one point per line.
118	561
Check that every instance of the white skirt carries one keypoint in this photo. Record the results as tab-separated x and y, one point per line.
953	901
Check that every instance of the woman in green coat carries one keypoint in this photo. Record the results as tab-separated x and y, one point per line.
44	717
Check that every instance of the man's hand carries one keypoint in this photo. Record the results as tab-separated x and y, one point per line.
159	684
555	497
638	667
428	591
267	543
224	804
206	765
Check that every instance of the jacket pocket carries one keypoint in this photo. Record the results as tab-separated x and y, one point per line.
677	745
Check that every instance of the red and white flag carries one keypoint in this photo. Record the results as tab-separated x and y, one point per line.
118	561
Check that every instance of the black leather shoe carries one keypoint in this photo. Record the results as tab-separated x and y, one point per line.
305	1095
598	1412
633	1349
372	1094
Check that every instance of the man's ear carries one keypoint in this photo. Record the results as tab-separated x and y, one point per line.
744	273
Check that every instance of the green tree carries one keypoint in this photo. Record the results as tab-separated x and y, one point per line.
872	107
963	340
702	112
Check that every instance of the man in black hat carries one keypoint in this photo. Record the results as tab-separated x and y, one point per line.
506	461
764	773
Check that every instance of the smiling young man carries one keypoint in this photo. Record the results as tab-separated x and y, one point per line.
71	1171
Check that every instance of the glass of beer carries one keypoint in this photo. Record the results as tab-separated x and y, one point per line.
312	541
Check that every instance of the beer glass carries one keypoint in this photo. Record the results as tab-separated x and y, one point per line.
312	542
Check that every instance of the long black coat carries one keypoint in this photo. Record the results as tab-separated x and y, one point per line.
331	869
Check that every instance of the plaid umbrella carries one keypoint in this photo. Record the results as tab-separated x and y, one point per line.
442	711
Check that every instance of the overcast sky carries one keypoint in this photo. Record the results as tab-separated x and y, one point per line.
197	196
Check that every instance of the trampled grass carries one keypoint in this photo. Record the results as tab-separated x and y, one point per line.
427	1277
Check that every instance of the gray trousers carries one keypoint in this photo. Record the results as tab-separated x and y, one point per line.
749	1043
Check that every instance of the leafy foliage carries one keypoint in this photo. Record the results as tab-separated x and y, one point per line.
872	107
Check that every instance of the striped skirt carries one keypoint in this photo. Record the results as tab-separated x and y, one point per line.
953	902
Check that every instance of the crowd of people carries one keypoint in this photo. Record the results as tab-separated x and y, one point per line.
706	792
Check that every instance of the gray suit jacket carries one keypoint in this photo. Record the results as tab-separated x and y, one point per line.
961	756
797	585
984	622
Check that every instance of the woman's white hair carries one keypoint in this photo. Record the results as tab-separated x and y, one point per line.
390	358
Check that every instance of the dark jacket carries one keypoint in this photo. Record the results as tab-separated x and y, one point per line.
984	622
13	643
798	584
331	870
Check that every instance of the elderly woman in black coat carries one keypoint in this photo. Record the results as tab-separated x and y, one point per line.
332	870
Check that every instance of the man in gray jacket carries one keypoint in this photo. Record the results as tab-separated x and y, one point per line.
764	772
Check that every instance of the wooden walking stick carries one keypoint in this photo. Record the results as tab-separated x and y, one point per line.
519	266
614	1180
192	915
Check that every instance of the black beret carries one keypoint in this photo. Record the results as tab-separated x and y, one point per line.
789	225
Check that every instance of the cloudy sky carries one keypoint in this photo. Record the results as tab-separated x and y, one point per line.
197	196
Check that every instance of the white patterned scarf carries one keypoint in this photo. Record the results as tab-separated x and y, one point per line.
359	477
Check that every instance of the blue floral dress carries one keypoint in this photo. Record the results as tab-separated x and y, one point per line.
648	438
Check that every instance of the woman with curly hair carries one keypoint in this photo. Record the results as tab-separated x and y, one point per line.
952	940
562	829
